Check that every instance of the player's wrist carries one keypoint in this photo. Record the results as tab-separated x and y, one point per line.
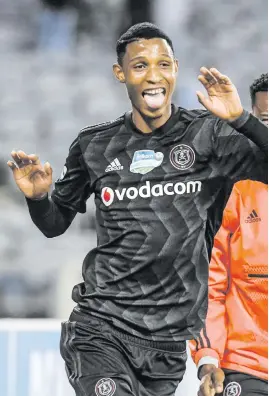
240	120
40	197
206	369
38	206
206	365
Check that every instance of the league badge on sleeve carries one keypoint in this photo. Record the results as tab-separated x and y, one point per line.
145	160
62	174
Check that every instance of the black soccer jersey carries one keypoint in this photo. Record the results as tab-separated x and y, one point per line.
159	201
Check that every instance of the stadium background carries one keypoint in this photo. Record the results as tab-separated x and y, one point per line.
55	78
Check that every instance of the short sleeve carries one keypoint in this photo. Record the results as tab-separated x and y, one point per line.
238	158
73	187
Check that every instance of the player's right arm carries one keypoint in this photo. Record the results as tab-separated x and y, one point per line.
208	349
52	215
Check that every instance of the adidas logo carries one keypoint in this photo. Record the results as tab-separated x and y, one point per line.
253	217
114	166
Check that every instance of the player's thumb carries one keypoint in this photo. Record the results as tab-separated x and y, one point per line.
217	378
203	99
48	169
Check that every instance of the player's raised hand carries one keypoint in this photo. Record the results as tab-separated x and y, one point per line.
223	99
212	380
32	178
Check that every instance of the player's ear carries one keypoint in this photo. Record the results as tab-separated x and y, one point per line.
118	72
176	65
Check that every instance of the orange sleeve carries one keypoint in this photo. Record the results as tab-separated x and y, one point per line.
209	346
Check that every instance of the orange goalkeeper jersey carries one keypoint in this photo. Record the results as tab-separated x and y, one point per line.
236	327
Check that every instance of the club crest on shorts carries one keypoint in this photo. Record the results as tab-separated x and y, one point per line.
232	389
105	387
182	157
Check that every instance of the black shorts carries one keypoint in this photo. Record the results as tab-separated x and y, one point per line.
101	361
237	384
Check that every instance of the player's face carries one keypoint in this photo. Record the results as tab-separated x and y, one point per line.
260	108
149	71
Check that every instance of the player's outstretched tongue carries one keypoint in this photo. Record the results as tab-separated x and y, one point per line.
154	98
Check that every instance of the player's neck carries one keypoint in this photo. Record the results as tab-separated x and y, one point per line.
147	124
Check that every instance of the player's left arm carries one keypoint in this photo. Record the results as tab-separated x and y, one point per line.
241	155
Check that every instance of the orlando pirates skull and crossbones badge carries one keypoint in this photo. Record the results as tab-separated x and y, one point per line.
182	157
105	387
232	389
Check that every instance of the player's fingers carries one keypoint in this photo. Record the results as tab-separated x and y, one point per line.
205	393
48	169
204	81
12	165
22	155
16	158
208	75
221	78
25	158
207	84
206	387
34	159
217	378
20	158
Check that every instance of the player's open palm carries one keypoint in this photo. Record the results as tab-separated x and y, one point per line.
32	178
223	99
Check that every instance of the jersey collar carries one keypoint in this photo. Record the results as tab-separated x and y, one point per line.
159	131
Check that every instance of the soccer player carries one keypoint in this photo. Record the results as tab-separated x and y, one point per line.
161	176
235	336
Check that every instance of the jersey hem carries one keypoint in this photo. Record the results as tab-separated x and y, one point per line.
245	370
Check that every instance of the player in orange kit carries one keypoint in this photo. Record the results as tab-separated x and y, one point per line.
231	352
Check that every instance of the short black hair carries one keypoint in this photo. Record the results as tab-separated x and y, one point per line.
259	85
144	30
